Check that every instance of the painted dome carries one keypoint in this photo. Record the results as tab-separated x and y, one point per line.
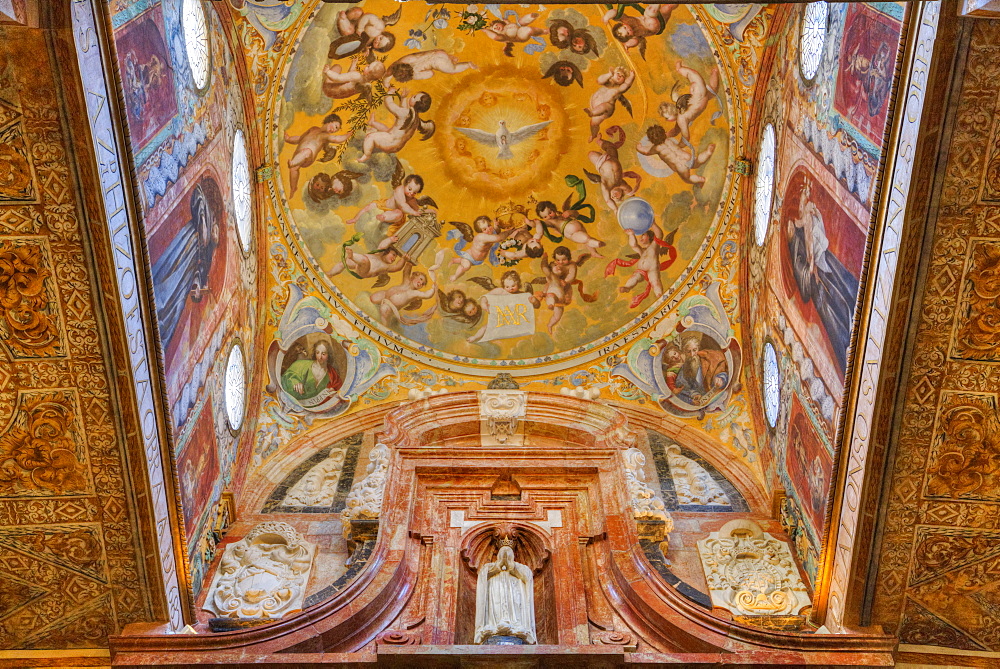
465	184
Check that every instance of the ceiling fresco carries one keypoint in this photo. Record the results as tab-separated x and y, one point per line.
498	186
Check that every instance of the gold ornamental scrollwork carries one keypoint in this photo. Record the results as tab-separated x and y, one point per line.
28	313
39	453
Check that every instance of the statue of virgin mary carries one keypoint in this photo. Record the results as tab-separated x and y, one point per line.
505	600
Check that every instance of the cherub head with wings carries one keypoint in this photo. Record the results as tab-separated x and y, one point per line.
324	186
457	306
564	73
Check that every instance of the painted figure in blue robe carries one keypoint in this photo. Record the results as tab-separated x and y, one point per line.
821	277
181	273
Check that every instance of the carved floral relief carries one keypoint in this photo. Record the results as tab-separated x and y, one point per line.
39	454
965	463
27	300
263	575
978	314
749	572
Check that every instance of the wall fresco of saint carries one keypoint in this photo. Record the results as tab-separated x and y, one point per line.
204	282
806	276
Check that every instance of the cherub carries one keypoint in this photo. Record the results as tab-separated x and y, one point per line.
614	83
564	73
613	182
510	284
560	33
309	144
560	275
409	295
361	31
582	42
481	237
567	225
632	31
423	65
648	247
511	32
339	85
377	265
457	306
680	159
407	122
402	203
340	185
685	108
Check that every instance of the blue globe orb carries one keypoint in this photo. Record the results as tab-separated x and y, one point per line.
635	214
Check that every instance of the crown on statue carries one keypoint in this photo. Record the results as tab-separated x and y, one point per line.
506	534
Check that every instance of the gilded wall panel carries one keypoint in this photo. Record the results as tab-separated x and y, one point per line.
70	556
940	555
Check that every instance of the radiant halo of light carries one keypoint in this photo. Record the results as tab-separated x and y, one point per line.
636	214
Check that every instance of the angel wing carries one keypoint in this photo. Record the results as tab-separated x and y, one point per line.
443	302
539	280
382	280
464	228
593	177
426	129
413	304
669	237
642	47
481	136
393	19
329	153
626	104
398	174
582	259
527	131
427	201
483	282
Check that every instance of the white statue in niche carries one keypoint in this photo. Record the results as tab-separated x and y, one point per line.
263	575
505	599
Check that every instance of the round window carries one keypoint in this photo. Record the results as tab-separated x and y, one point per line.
812	38
764	188
772	385
241	190
196	41
235	387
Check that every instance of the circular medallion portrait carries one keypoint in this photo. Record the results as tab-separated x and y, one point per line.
496	186
313	369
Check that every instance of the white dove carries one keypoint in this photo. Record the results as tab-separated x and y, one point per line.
503	138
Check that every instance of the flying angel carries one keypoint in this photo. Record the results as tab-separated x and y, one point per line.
503	138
